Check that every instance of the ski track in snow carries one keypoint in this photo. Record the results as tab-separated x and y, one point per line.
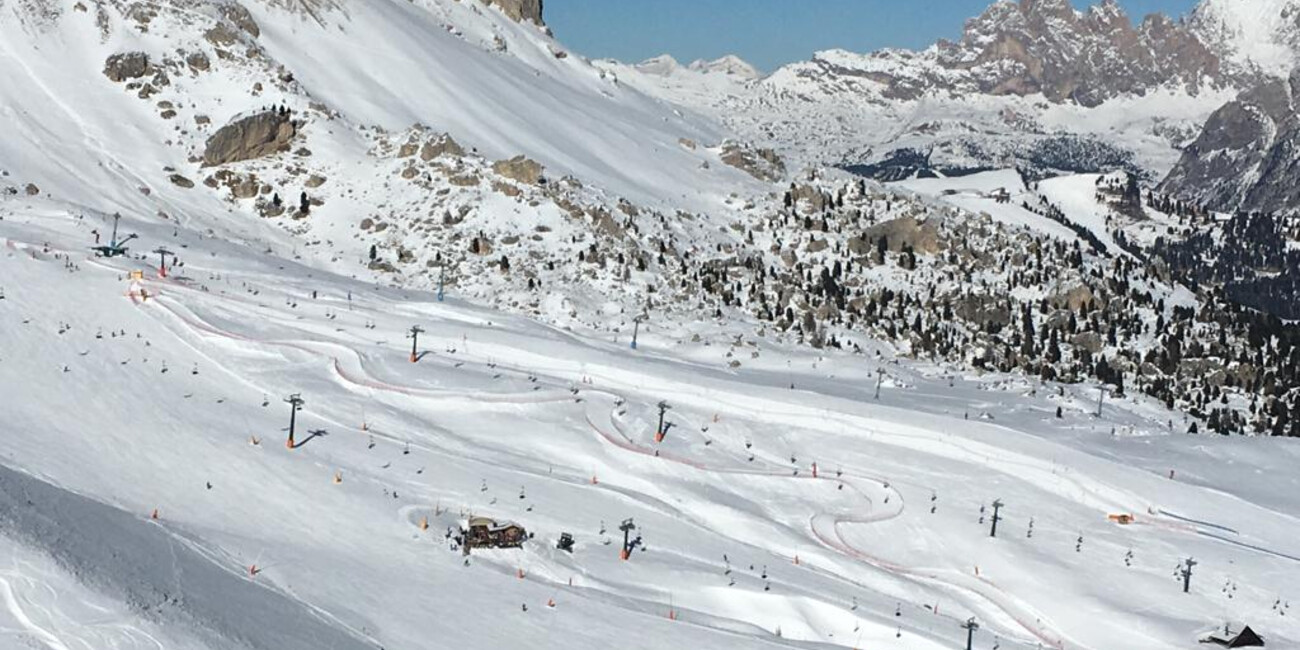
16	609
980	588
348	366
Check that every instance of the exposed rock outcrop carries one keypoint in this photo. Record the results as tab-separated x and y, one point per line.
198	61
264	134
763	164
238	15
1079	57
920	236
1247	157
128	65
443	145
521	169
520	10
1076	299
1039	46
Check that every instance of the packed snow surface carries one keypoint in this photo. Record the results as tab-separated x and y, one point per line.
133	405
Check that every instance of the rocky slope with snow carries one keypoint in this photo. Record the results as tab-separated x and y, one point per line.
1245	158
1250	36
1033	83
1047	47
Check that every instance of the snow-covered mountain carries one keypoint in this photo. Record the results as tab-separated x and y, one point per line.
582	296
1048	47
497	86
1034	83
1244	158
1260	35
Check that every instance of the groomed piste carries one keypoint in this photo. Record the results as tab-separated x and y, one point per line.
782	505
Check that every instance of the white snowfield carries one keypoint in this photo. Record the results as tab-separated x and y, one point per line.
980	194
148	498
138	513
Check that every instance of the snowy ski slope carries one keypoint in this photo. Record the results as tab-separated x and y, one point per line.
118	408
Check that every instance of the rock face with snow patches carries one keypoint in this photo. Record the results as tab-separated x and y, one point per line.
129	65
1247	155
1252	37
1046	46
255	136
530	10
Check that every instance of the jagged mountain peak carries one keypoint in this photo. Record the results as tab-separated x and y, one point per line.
1048	9
1069	56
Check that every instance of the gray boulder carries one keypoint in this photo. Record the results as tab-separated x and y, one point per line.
519	168
256	136
763	164
443	145
921	236
127	65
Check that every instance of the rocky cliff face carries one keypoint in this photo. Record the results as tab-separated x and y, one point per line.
520	10
264	134
1039	46
1081	57
1248	155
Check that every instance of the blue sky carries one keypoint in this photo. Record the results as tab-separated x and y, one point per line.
769	33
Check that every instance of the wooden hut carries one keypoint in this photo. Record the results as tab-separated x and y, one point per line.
1244	637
